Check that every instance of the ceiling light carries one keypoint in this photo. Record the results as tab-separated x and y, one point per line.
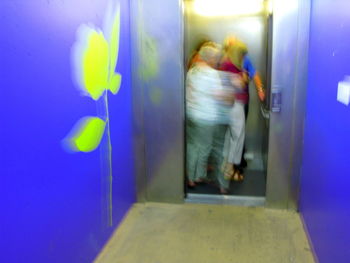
228	7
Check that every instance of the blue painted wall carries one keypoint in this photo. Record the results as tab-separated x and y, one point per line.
52	202
325	194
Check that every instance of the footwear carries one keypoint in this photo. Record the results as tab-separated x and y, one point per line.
223	191
237	176
228	171
191	184
199	181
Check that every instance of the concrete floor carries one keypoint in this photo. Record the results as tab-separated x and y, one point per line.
196	233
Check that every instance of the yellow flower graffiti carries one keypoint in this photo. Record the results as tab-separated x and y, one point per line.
95	65
87	134
94	58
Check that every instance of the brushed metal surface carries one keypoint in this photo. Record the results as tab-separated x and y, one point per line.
157	46
289	71
158	96
299	103
225	200
137	105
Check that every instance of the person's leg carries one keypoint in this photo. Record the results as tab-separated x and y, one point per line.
218	148
191	151
243	163
231	141
204	144
228	153
227	150
235	135
239	143
238	131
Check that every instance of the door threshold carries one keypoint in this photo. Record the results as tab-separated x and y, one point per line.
226	199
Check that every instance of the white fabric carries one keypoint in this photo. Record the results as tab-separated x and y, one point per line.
234	139
203	84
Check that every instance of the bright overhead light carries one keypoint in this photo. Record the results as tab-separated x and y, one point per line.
228	7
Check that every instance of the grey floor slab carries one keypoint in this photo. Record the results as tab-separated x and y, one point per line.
201	233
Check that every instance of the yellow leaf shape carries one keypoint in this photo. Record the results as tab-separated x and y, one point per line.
114	43
87	134
95	64
114	83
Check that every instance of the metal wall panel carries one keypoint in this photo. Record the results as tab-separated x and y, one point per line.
299	103
137	102
158	81
289	71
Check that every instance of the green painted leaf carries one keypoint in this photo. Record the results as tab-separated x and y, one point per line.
114	83
87	134
114	42
95	65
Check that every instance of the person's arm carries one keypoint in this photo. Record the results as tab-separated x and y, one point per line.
189	86
255	76
259	86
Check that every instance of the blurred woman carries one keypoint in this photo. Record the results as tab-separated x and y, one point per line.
232	62
207	107
236	60
194	58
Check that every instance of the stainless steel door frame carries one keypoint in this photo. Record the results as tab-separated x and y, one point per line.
291	20
158	99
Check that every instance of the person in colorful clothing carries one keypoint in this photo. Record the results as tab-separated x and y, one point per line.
236	61
208	103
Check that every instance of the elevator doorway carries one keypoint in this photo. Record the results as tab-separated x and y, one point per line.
250	24
159	33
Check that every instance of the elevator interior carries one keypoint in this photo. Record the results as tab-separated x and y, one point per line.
163	34
251	25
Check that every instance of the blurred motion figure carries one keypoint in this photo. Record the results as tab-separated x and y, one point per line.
232	63
207	105
236	61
